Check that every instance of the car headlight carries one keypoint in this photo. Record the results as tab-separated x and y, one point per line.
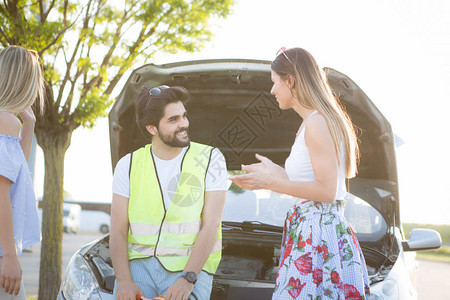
79	282
388	289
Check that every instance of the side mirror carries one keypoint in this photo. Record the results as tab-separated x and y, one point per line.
422	239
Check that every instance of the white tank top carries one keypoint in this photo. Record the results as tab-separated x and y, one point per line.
298	164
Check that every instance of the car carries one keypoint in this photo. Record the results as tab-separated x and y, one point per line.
71	217
95	220
230	107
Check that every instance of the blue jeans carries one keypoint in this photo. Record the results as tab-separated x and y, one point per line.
154	280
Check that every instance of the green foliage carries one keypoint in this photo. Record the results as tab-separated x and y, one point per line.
92	106
87	45
442	254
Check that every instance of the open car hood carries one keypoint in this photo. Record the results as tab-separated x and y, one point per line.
231	108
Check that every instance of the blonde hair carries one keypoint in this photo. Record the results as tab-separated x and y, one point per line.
313	91
21	80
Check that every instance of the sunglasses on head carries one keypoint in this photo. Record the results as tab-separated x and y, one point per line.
157	90
282	51
34	53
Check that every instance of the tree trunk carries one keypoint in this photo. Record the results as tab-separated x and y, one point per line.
54	147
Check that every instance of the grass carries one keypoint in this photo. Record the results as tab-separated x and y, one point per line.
442	254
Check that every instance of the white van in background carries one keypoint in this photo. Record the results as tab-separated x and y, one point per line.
95	220
75	218
71	217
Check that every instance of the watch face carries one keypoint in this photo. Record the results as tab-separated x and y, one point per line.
191	277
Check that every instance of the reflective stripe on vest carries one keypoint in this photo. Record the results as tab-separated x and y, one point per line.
161	251
169	234
149	229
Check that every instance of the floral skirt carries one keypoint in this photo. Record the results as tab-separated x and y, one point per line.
320	256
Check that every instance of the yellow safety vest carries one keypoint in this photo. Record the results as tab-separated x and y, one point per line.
169	234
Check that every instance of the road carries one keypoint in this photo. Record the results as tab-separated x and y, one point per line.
432	277
433	280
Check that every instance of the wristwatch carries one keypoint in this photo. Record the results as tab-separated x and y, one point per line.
191	277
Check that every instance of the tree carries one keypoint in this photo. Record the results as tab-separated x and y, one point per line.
85	47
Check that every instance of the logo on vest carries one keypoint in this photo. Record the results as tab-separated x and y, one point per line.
185	189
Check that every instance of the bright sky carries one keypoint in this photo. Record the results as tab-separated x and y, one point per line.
398	52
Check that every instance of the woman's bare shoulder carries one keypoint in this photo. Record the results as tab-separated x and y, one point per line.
317	129
9	124
316	124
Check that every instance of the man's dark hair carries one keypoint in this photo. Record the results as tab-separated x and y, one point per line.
150	108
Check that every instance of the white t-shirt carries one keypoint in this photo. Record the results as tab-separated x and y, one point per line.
168	171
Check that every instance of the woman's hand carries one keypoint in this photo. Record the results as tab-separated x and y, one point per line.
28	116
261	175
29	120
11	275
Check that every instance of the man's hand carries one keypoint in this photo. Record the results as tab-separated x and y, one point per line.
127	290
11	275
180	290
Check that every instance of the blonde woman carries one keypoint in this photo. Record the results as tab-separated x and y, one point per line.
320	257
21	83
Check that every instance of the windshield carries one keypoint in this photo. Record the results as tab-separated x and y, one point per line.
271	208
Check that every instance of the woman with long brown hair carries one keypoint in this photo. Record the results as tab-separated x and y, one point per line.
320	255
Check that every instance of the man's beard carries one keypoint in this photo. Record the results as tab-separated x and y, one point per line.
173	140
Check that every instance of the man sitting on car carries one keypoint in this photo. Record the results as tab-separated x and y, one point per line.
167	205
